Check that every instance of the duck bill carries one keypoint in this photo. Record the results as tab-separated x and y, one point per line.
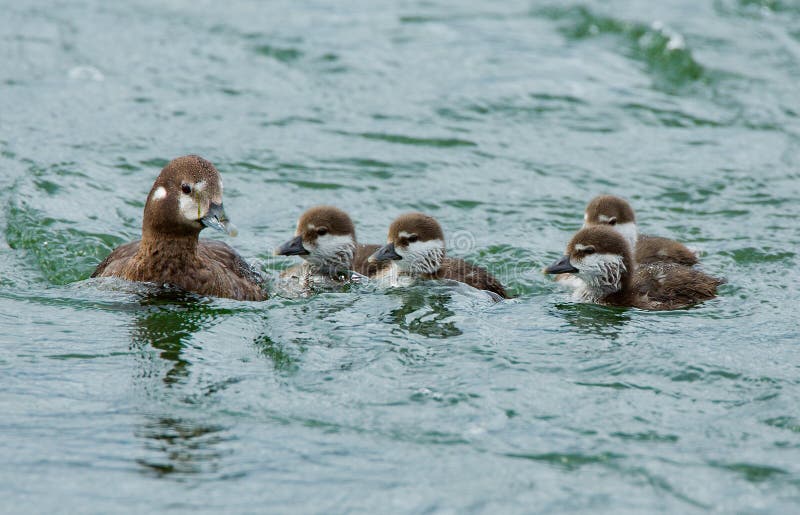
293	247
385	253
562	266
217	219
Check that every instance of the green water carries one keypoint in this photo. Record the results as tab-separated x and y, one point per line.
502	119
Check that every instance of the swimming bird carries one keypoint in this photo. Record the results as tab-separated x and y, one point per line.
326	240
416	249
601	259
185	198
617	213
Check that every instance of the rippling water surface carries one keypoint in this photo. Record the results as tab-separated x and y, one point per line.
502	119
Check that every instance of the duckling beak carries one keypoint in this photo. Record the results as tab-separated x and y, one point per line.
562	266
384	253
293	247
217	219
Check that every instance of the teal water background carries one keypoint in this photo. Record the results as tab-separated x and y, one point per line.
502	119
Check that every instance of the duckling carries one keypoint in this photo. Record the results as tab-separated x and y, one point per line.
416	249
618	213
326	240
185	198
601	258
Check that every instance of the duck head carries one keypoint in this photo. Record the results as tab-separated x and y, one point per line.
601	258
613	212
185	198
325	237
415	244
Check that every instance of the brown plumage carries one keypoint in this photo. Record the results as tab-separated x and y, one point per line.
326	240
416	248
600	257
456	269
616	212
185	198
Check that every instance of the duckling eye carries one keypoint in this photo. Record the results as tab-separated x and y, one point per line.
612	222
322	231
186	188
589	251
412	239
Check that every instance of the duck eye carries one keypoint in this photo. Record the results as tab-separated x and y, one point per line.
186	188
588	251
412	239
322	231
612	222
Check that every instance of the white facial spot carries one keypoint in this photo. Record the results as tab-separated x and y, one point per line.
603	218
420	257
311	227
159	194
199	186
404	234
582	247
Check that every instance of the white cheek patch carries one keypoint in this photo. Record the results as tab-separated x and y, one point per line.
422	257
159	194
200	186
403	234
601	273
597	261
311	227
332	250
603	218
581	246
189	208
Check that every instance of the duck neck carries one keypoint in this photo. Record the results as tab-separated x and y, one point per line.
609	282
177	250
334	263
624	294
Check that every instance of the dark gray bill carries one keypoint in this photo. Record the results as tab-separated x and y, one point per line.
562	266
293	247
385	253
217	219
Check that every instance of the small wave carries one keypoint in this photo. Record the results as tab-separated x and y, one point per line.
282	54
63	254
413	140
663	50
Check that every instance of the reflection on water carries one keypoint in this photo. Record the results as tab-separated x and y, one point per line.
425	313
277	352
181	446
167	322
592	319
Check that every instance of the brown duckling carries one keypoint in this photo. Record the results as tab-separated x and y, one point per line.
601	259
185	198
326	240
416	249
617	213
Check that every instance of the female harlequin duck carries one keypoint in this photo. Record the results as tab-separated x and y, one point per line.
617	213
326	239
186	197
416	248
601	259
